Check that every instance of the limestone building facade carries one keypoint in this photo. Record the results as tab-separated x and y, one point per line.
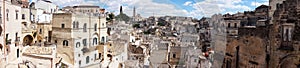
77	36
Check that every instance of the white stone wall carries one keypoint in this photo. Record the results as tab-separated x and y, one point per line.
13	29
78	34
46	6
103	30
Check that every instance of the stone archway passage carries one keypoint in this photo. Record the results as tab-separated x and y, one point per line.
27	40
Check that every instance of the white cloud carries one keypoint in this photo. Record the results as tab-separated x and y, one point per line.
259	3
145	8
209	7
149	7
63	3
188	3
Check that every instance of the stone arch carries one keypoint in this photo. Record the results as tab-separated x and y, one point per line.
95	39
290	61
27	40
65	43
77	44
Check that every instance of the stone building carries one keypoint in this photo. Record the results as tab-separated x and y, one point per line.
77	36
28	27
10	34
273	4
41	15
285	35
232	27
239	51
176	56
46	5
252	35
84	9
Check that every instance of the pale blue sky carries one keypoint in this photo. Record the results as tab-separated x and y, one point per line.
190	8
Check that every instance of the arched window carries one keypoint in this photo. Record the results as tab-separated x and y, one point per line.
87	59
95	41
102	39
84	27
84	42
78	44
95	27
65	43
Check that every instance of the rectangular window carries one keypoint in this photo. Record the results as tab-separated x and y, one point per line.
62	25
79	62
174	55
290	35
74	24
23	16
7	14
18	51
228	25
95	56
286	34
17	15
40	31
87	59
95	27
7	17
84	27
235	25
17	37
33	17
6	38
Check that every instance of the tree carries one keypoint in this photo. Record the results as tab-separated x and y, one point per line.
110	17
136	26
